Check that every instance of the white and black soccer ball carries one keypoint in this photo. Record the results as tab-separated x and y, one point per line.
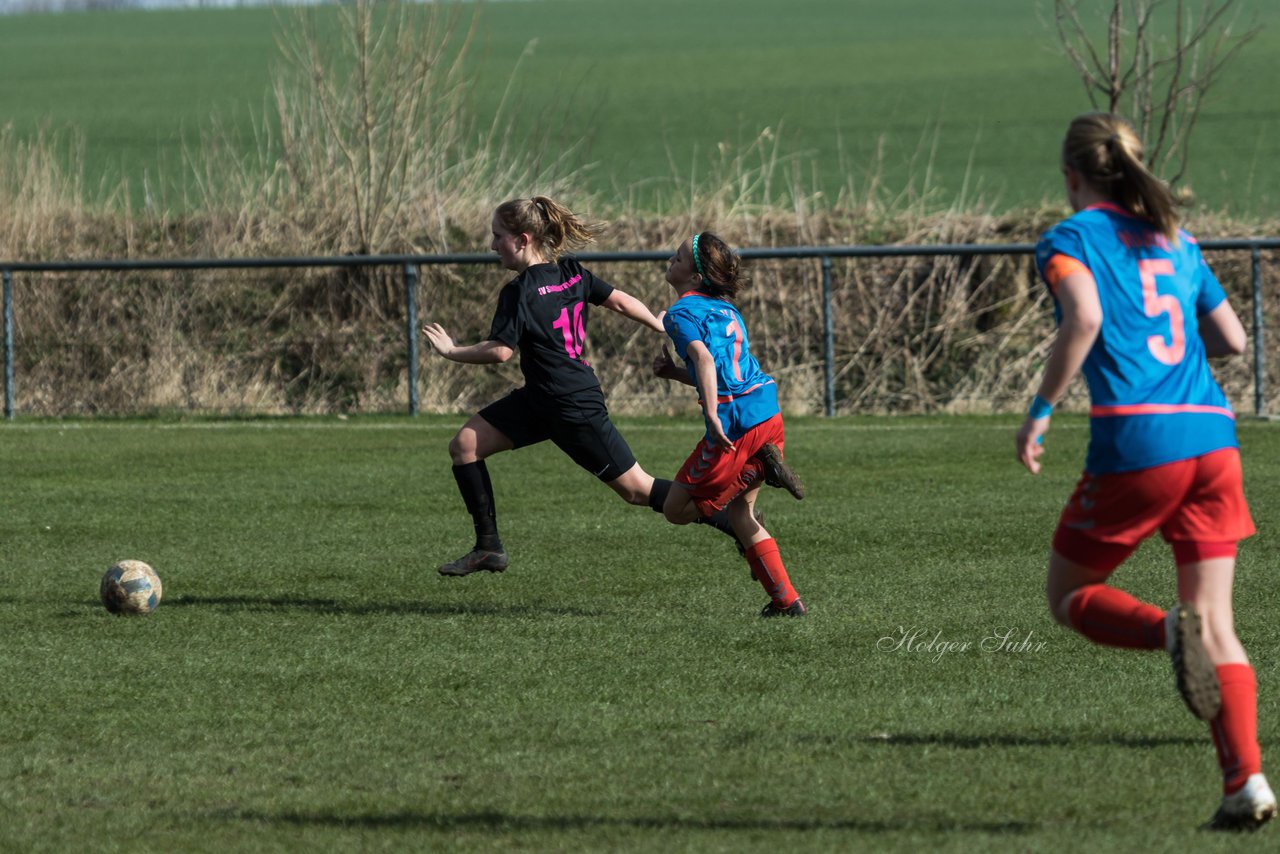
130	587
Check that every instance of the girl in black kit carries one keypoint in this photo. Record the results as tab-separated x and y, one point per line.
542	312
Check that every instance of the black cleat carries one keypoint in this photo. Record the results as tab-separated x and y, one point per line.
1196	676
795	609
476	560
777	473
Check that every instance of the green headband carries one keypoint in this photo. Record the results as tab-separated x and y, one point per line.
697	264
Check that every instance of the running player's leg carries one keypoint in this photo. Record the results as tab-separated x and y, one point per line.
1204	536
709	479
1102	524
639	487
1080	599
587	434
1247	799
490	431
763	557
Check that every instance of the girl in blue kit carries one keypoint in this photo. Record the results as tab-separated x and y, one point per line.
743	444
1138	312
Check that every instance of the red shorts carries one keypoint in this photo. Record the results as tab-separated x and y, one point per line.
1197	505
714	477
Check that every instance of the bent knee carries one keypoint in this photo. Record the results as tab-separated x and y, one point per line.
462	448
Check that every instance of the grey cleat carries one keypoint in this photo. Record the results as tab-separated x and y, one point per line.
476	560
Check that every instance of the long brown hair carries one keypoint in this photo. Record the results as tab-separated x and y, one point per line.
720	267
551	226
1106	151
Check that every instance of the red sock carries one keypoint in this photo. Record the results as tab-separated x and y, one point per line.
1109	616
1235	729
766	567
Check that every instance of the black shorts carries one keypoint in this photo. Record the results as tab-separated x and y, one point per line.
578	424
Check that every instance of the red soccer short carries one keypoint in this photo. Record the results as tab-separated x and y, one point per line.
714	477
1197	505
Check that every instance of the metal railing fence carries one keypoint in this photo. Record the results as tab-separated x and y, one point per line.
409	265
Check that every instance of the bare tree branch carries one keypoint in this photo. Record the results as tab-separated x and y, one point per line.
1159	82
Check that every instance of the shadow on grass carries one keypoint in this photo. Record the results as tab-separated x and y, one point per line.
500	822
978	742
336	606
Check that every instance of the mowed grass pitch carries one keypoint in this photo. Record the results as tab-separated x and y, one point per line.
310	683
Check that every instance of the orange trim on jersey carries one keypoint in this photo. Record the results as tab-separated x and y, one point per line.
1060	266
729	398
1158	409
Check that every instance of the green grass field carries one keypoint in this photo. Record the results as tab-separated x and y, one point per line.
310	683
965	100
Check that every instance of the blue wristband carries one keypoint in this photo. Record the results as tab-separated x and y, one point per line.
1040	408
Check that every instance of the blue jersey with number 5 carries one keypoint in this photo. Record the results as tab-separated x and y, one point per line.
1153	399
746	395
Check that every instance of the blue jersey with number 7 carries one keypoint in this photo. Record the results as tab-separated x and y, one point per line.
746	395
1153	399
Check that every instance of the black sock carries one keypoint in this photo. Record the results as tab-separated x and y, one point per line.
720	521
658	494
477	494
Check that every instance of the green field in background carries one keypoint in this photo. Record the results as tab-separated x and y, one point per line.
310	683
966	99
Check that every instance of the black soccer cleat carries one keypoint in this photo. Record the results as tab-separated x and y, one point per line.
777	473
1196	676
795	609
476	560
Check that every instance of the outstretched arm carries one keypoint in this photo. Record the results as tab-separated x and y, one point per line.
1081	320
630	307
487	352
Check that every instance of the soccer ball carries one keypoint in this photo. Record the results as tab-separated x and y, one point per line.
130	587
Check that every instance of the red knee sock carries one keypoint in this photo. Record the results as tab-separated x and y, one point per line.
767	568
1109	616
1235	729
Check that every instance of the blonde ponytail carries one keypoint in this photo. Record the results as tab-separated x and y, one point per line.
549	224
1106	151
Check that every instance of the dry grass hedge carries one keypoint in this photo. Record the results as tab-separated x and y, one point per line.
938	334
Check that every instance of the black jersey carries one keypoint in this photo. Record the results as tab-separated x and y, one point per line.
543	313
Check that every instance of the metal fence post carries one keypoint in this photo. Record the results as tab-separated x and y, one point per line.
1259	356
828	340
411	331
8	346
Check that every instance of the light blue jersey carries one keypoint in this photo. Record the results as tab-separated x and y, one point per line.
1153	399
747	396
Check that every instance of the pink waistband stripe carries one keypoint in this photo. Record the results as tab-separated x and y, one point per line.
729	398
1158	409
